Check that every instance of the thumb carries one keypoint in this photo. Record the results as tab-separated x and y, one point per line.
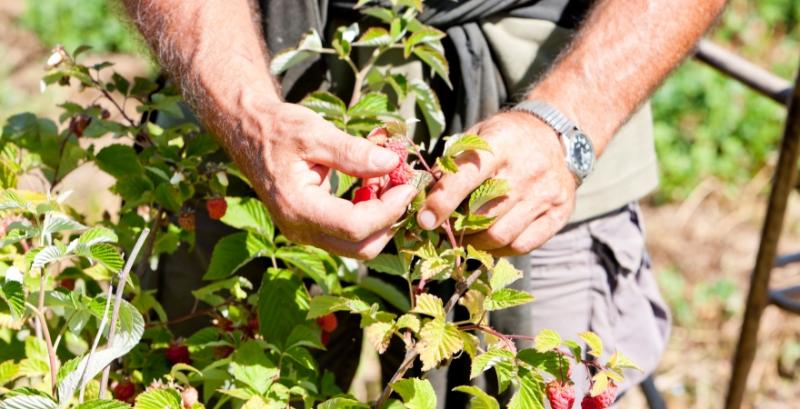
352	155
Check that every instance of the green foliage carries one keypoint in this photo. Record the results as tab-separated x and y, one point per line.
72	23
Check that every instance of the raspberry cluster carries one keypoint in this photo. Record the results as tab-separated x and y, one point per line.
400	175
601	401
328	324
560	394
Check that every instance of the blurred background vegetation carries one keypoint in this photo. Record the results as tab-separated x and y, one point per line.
716	143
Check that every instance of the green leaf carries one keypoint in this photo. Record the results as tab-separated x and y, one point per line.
386	291
506	298
57	222
308	260
530	392
424	36
343	39
480	399
409	321
97	235
593	341
460	143
618	362
431	109
119	161
379	334
9	370
107	255
375	37
159	399
233	252
248	213
326	304
473	222
169	196
429	304
309	45
283	304
484	257
416	393
342	403
14	295
383	14
473	301
551	361
489	190
370	105
234	285
325	103
28	402
103	404
435	60
447	164
503	274
488	360
547	340
251	366
48	255
392	264
599	383
439	340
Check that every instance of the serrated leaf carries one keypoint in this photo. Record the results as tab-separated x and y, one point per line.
343	39
599	383
325	103
248	213
447	164
370	105
473	222
409	321
392	264
158	399
551	361
310	261
383	14
489	190
233	252
506	298
479	399
458	144
14	295
471	343
27	402
488	360
309	45
283	304
251	366
435	60
431	108
433	267
342	403
618	361
547	340
47	255
119	161
97	235
473	301
594	343
103	404
326	304
107	255
57	222
575	349
375	36
483	256
503	274
390	293
530	392
379	334
429	304
9	370
439	341
416	393
424	36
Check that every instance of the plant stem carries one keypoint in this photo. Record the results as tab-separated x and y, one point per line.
489	330
411	356
96	341
151	242
51	352
123	278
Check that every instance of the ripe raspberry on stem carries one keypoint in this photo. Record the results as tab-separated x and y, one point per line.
125	391
178	354
216	207
560	394
398	146
187	220
601	401
328	323
365	193
401	174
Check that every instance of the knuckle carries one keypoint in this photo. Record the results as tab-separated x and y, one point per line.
521	246
497	237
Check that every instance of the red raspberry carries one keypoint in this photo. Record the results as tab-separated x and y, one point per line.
365	193
216	207
68	283
188	397
588	403
606	399
125	391
253	325
401	174
328	323
326	337
561	395
378	136
186	220
399	147
178	354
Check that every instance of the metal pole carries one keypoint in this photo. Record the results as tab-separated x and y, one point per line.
755	77
758	296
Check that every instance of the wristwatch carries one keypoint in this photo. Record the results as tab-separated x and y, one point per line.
578	149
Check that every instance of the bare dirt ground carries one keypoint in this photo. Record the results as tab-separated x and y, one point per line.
702	249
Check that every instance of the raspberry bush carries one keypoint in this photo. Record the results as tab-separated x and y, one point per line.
81	331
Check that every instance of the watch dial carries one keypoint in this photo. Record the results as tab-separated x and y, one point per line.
582	154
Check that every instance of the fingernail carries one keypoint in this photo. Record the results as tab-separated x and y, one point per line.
427	219
382	157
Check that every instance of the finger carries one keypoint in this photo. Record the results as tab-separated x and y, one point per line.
354	222
446	194
507	228
366	249
349	154
535	235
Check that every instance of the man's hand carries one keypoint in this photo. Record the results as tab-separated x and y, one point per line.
295	159
528	155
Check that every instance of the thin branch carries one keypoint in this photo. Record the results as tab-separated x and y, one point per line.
411	356
151	242
123	278
96	341
51	352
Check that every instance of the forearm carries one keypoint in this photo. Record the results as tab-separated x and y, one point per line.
622	52
214	51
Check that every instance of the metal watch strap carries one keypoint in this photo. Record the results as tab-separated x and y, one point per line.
551	116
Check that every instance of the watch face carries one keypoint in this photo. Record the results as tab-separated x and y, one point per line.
581	154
